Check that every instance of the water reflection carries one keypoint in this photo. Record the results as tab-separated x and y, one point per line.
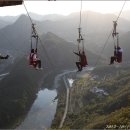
42	111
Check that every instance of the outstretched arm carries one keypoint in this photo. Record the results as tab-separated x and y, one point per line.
76	53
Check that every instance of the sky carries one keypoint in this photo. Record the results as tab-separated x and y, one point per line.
64	7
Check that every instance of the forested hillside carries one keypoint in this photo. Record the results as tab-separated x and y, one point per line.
100	100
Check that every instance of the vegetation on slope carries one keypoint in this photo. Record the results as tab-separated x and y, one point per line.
60	107
17	93
109	108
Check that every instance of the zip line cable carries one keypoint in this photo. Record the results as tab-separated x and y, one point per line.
38	36
121	10
98	59
79	29
80	15
27	13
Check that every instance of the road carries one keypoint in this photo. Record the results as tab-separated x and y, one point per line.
67	102
67	86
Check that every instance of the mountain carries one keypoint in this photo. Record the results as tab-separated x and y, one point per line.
3	23
92	23
18	34
18	92
50	17
53	17
9	19
126	14
35	16
16	37
61	51
98	100
95	28
18	89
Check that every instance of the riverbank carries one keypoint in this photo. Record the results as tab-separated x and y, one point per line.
67	83
60	105
67	86
44	108
18	91
64	100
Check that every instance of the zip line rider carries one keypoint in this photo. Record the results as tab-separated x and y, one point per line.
33	58
117	49
117	55
82	60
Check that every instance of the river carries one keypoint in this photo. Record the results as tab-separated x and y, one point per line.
43	109
42	112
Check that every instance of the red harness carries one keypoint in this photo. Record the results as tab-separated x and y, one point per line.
31	60
84	60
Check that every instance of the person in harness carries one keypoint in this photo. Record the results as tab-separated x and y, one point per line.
31	57
82	60
4	57
117	55
117	49
34	60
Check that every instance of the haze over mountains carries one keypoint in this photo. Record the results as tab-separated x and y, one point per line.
92	22
95	29
126	14
6	20
16	37
3	23
58	34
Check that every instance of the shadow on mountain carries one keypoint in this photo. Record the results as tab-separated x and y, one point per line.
18	91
